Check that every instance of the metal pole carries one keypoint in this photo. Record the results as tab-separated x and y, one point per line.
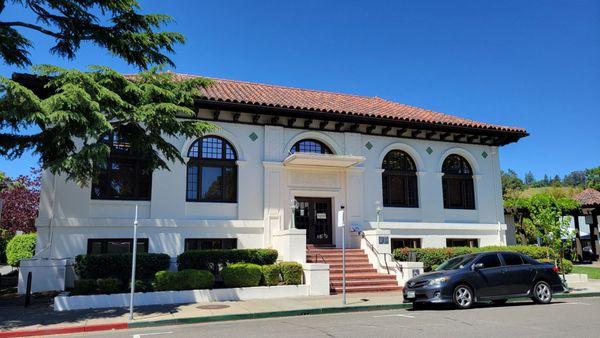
343	261
133	262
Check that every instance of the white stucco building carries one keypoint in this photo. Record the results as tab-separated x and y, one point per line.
436	177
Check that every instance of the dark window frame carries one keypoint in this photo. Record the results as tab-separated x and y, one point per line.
450	240
324	148
198	245
416	240
199	162
104	244
458	181
514	254
402	168
119	152
498	259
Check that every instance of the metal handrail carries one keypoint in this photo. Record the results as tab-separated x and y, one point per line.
385	254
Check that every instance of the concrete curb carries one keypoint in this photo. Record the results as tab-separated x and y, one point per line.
208	319
64	330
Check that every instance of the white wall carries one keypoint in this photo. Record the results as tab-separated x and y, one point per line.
264	189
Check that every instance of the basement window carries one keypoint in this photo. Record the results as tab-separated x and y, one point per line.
210	243
115	245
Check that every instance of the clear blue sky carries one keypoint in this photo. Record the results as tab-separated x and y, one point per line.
532	64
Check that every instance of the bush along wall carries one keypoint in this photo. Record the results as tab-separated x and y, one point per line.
215	260
183	280
119	266
241	275
431	257
291	272
20	247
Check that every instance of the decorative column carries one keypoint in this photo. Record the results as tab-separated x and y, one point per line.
578	247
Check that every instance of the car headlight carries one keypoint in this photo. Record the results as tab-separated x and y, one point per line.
438	281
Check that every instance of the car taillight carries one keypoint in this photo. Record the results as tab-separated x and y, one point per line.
555	269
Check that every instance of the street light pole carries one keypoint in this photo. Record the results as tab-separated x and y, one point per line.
133	263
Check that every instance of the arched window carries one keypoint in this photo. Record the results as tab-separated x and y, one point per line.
399	180
457	183
211	171
125	176
310	146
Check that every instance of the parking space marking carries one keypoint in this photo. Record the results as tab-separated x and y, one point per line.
394	315
150	334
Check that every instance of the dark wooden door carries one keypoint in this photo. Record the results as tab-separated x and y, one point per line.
314	215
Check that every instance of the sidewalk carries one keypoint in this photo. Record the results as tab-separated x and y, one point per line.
40	316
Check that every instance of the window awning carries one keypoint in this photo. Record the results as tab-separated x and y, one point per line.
322	160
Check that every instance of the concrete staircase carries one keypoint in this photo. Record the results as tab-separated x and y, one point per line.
361	276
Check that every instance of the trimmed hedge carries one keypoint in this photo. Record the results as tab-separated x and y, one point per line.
20	247
291	273
431	257
119	266
183	280
241	275
214	260
84	286
271	275
107	285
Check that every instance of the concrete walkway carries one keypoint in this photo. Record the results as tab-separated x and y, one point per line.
40	315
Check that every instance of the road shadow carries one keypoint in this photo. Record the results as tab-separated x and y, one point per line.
482	305
13	313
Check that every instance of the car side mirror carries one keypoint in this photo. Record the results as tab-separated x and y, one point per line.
477	266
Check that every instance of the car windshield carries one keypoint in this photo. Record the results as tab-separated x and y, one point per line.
455	263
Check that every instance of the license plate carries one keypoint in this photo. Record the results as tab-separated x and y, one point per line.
410	294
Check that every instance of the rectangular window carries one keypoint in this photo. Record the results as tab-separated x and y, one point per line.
512	258
210	243
115	245
123	179
411	243
468	242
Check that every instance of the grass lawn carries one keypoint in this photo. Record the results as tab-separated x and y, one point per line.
593	273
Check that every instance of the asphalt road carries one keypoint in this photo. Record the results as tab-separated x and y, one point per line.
573	317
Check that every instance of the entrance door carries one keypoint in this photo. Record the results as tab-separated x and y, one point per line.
314	215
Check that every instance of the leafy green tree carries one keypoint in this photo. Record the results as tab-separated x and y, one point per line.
82	107
575	179
529	178
510	181
543	215
592	178
556	182
61	115
117	26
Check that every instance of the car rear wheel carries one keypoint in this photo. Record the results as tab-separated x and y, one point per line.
542	293
463	297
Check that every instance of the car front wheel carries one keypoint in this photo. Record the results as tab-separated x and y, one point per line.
463	297
542	293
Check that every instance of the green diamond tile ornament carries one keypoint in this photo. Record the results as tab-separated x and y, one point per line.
429	150
484	154
253	136
368	145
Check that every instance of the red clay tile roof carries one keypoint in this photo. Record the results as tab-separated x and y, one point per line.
314	100
588	197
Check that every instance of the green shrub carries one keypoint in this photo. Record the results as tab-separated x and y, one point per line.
20	247
5	237
241	275
107	285
271	274
119	266
291	273
183	280
567	265
140	286
214	260
431	257
84	286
